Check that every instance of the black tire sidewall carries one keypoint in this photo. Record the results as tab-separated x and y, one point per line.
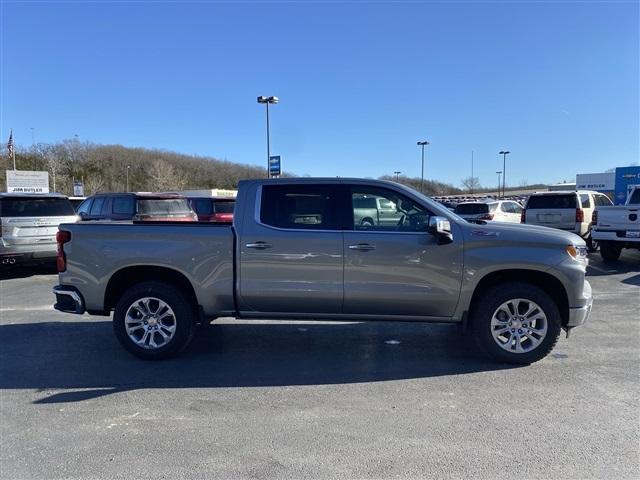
491	299
609	252
172	296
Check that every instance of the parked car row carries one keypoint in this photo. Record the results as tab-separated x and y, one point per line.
29	222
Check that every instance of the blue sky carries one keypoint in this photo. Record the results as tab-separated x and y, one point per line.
359	82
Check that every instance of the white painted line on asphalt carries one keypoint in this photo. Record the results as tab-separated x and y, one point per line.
27	309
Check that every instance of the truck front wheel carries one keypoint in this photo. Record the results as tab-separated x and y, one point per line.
154	320
609	251
516	323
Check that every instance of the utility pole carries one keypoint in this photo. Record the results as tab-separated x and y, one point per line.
472	177
504	154
498	192
266	101
422	144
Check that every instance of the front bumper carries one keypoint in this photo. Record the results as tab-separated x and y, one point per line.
68	299
579	316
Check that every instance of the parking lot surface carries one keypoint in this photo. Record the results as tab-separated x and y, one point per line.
264	399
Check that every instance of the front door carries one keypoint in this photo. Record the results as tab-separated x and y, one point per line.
291	257
397	268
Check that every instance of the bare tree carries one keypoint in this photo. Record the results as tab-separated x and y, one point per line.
471	183
162	176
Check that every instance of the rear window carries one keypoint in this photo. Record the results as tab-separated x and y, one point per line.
473	208
224	206
163	206
35	207
635	197
202	206
552	201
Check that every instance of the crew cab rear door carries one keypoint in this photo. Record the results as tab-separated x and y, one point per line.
290	251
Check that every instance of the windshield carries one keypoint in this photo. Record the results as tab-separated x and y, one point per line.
164	206
35	207
552	201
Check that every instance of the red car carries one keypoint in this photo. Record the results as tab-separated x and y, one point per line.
213	209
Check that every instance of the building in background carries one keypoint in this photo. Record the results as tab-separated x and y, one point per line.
600	182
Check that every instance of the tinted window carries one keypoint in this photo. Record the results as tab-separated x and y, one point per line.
635	197
85	206
224	206
299	206
584	201
123	205
96	208
552	201
473	208
163	206
35	207
404	216
364	202
202	206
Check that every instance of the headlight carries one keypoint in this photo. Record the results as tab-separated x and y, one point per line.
578	253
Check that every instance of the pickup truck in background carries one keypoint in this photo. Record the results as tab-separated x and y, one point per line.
618	227
297	249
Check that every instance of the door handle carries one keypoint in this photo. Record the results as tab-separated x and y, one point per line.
362	247
259	245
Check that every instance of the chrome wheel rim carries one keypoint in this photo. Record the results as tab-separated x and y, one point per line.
150	323
519	325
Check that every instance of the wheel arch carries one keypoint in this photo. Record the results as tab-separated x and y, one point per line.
126	277
547	282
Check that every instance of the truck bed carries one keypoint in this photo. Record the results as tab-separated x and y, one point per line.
201	252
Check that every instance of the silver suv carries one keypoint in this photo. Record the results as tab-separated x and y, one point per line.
28	225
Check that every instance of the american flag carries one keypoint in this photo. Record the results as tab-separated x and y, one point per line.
10	145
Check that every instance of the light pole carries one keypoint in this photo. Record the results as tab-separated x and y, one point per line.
504	154
422	144
268	100
128	167
397	174
499	173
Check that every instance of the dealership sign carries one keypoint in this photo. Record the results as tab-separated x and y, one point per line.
21	181
602	182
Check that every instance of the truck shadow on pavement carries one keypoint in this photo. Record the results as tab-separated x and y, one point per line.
85	357
629	262
25	271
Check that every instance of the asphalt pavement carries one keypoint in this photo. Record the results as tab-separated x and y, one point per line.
267	399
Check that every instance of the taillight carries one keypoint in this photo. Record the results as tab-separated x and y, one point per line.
62	237
523	216
594	217
579	215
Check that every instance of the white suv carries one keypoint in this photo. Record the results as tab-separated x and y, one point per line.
494	210
570	211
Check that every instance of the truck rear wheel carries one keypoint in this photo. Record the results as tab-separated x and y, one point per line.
516	323
609	251
154	320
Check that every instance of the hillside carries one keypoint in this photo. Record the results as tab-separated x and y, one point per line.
104	168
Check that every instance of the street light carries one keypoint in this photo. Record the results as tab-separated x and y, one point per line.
397	174
504	154
422	144
499	173
128	167
268	100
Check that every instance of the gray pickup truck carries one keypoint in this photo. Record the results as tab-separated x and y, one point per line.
294	251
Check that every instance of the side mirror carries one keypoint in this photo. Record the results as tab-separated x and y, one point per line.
440	228
82	215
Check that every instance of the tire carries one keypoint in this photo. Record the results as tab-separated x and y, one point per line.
609	251
534	335
592	245
367	222
155	332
